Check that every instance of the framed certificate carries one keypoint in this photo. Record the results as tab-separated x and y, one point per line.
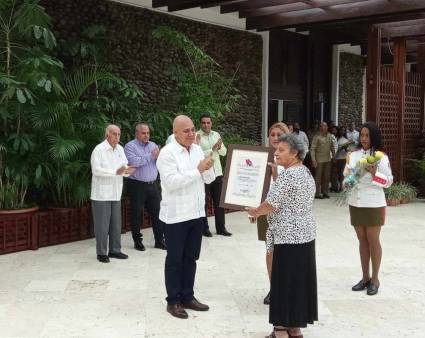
247	176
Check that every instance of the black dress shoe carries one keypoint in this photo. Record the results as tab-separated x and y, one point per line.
326	196
138	245
195	305
177	311
320	197
118	255
360	286
160	245
372	289
103	258
207	233
224	232
267	299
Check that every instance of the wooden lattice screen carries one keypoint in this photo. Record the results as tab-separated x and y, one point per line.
390	121
388	117
412	113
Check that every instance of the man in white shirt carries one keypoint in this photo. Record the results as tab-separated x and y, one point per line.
184	170
108	165
353	137
211	143
301	136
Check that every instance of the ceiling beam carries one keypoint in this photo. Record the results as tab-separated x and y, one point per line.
162	3
336	13
221	2
295	7
254	4
172	7
402	23
362	22
404	31
299	6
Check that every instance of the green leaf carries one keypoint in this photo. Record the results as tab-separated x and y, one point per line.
25	145
37	32
41	82
16	144
48	86
29	96
20	96
38	172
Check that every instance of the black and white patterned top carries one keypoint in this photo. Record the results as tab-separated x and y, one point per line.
291	196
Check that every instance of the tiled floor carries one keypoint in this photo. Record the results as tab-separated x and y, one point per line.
62	291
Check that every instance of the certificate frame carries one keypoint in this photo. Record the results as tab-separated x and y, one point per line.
261	156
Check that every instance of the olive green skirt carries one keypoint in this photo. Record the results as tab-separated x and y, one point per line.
368	217
262	227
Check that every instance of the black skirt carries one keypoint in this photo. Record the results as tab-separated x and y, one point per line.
293	293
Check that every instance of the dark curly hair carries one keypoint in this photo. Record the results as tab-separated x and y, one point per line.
374	136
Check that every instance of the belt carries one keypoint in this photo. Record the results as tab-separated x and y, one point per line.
151	182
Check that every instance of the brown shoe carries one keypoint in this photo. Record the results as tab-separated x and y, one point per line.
177	311
195	305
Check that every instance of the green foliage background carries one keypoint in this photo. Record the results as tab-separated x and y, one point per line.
350	89
56	100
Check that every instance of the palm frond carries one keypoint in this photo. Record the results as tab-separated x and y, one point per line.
63	149
53	112
79	81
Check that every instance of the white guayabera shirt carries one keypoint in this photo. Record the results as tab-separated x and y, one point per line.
106	185
183	191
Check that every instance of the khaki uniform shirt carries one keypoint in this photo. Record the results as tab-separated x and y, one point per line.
322	148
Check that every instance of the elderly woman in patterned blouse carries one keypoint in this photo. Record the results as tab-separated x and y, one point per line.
276	130
291	237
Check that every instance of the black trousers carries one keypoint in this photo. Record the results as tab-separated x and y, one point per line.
183	248
142	195
214	189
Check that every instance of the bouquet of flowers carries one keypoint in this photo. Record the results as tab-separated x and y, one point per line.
359	170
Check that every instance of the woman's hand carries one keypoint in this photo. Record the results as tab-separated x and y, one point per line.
372	169
251	211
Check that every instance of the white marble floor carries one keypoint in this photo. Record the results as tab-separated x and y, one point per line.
62	291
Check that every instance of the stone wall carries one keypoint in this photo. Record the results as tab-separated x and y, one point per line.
142	60
351	70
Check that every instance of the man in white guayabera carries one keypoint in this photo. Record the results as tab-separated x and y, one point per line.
184	170
108	165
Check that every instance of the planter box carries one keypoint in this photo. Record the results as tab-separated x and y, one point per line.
404	200
18	230
393	203
63	225
30	229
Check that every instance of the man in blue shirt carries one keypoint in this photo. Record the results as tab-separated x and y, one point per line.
142	186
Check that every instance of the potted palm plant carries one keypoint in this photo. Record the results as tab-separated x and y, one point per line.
407	192
393	195
92	97
27	72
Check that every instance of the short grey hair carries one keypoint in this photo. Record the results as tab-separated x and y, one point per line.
140	125
295	144
109	127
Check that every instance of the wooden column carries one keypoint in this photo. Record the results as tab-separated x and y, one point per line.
421	70
309	101
373	74
400	77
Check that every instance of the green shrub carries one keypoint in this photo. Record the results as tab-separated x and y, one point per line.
416	173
